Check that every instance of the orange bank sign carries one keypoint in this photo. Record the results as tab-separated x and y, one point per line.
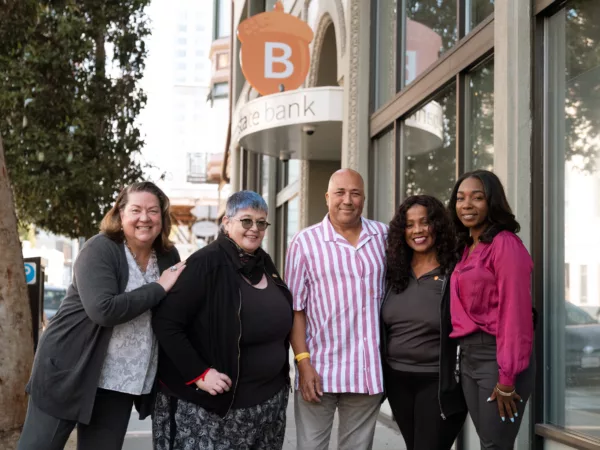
275	52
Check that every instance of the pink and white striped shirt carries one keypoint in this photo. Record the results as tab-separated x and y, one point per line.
340	288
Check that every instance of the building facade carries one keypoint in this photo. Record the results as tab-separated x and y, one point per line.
412	93
185	119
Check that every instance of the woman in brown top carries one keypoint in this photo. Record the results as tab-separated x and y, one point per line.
418	356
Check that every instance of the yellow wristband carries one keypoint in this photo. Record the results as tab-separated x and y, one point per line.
300	356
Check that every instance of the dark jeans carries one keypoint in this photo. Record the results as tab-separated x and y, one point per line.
106	430
416	408
479	375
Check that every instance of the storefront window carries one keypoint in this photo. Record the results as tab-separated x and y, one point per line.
572	291
430	30
477	11
429	147
383	170
294	166
385	51
293	220
479	126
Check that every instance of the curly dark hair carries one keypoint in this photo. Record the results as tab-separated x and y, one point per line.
500	216
399	255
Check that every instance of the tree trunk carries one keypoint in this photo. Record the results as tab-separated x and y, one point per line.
16	338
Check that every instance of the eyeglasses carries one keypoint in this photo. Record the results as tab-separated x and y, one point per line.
261	225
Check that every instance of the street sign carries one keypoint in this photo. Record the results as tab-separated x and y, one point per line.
30	270
205	228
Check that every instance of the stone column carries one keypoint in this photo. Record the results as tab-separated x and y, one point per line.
513	122
512	106
356	67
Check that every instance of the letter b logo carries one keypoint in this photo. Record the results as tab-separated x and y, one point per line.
284	59
275	50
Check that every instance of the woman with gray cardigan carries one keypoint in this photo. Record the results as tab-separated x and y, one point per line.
98	356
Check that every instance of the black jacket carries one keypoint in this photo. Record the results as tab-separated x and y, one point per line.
198	325
450	391
71	352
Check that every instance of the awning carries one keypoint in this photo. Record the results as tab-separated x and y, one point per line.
299	124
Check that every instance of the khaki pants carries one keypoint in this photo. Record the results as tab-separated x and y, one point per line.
357	415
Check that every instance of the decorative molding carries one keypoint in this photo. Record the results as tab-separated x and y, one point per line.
353	63
317	46
342	20
340	24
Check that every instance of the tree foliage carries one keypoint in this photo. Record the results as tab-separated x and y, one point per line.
69	99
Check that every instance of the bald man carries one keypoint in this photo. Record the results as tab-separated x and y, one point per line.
336	272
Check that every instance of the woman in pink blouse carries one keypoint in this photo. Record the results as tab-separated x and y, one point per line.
490	305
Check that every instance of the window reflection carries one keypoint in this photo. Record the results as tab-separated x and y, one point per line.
293	220
429	147
479	126
383	158
385	51
430	30
477	11
573	291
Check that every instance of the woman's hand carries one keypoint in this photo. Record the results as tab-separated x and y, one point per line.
507	405
214	382
169	276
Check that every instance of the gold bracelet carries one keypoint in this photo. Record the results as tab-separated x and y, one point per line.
300	356
505	394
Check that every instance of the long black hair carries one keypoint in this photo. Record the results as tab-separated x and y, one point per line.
499	217
399	254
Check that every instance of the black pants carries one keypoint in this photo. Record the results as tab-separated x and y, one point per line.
106	430
416	408
479	375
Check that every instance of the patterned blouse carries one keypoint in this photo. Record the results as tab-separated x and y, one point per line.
132	356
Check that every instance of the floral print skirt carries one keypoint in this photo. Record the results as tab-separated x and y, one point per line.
193	428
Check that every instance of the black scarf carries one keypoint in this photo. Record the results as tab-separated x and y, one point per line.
251	265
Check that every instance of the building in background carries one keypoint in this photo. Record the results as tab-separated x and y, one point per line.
414	93
186	118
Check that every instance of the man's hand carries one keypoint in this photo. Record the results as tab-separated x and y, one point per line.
214	382
310	382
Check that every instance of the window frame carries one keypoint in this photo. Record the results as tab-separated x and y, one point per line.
542	10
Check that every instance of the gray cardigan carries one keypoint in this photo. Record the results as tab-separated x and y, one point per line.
71	351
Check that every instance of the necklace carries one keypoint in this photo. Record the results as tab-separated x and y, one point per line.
136	260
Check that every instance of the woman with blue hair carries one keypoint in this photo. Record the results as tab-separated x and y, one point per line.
224	341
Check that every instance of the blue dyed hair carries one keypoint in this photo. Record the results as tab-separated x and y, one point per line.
245	200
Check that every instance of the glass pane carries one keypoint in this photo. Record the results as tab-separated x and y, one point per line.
429	147
572	295
293	170
479	126
430	31
224	18
477	11
265	165
383	158
293	220
385	51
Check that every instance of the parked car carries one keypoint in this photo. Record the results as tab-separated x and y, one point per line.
53	296
582	345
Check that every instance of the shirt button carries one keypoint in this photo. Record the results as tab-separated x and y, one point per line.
364	339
